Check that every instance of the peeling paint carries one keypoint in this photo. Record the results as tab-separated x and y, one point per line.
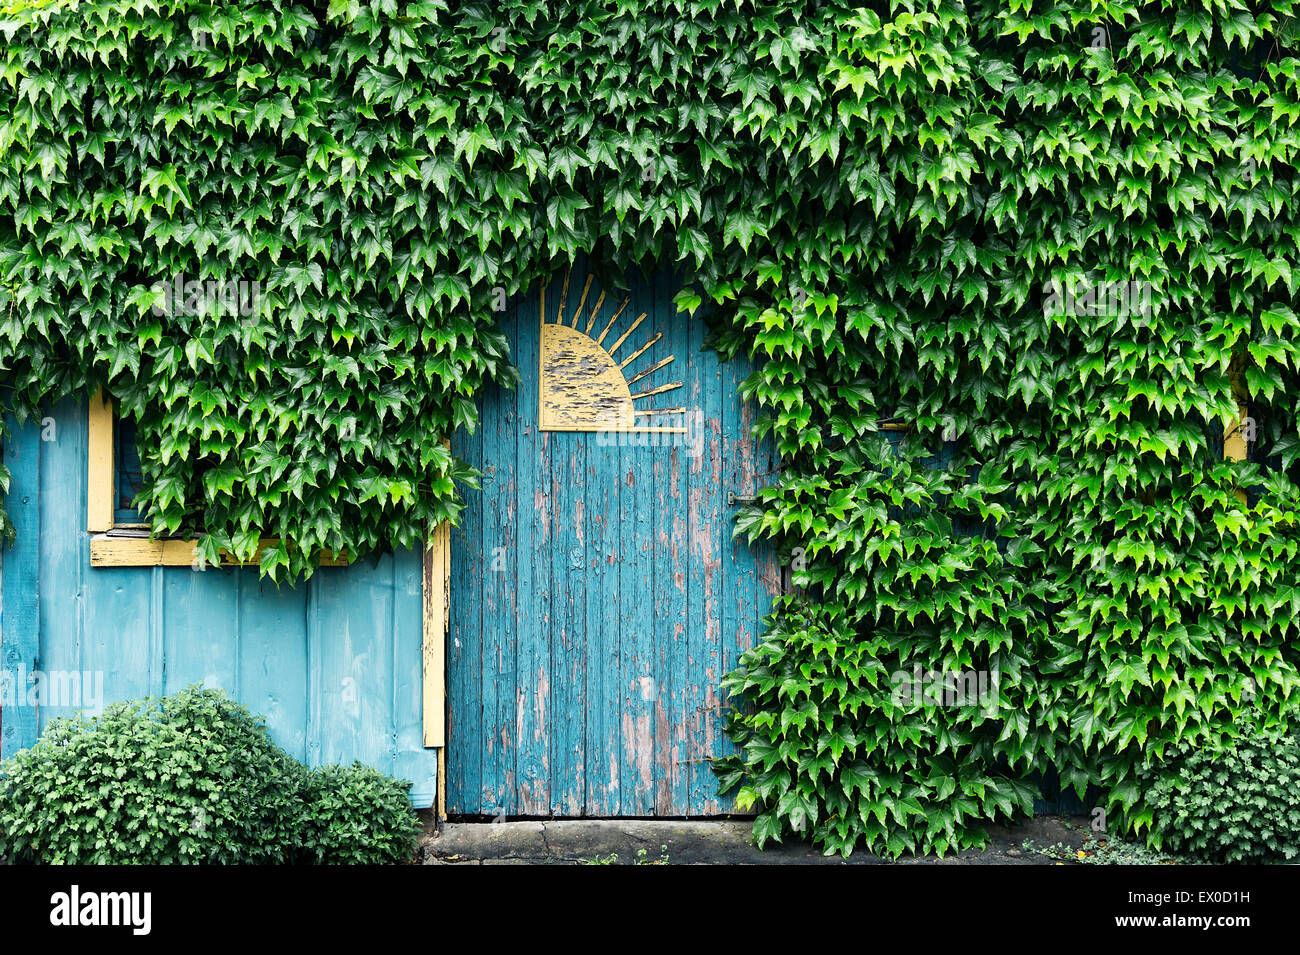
539	704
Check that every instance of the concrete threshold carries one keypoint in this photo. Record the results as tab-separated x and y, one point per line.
693	842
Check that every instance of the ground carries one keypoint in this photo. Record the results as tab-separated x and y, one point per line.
683	842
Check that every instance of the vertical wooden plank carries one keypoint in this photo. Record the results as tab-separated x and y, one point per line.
312	703
21	625
236	682
767	576
442	784
1234	441
434	587
99	626
531	783
565	466
412	759
637	574
566	638
272	660
1234	445
155	642
107	621
353	658
710	534
63	596
467	631
769	581
199	628
501	550
604	596
671	691
739	570
99	463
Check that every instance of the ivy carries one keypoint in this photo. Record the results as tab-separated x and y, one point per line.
1048	237
1075	229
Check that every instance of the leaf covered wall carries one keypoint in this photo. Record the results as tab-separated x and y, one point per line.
1047	235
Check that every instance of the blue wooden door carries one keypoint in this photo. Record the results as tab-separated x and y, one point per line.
597	595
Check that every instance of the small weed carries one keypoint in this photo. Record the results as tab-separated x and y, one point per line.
642	858
1105	851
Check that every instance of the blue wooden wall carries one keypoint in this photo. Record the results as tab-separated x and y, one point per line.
334	665
597	595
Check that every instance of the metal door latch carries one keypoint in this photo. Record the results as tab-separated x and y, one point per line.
733	499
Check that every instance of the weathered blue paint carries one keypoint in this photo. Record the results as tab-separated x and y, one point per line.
597	596
19	605
334	665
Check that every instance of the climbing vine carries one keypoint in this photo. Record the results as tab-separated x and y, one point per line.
1055	243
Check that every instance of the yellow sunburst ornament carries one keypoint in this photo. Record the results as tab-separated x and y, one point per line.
584	386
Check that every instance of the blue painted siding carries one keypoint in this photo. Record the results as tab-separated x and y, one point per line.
597	595
334	665
19	606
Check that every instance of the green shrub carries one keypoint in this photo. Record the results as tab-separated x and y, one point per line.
190	778
355	815
1238	802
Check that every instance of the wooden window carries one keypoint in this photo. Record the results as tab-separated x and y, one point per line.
126	474
119	535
